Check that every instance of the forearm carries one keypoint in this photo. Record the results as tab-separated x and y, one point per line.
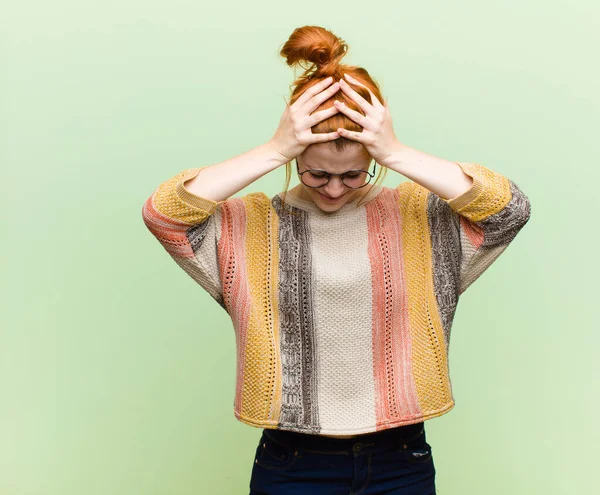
442	177
224	179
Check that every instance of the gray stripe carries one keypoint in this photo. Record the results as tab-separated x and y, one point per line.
299	404
502	227
203	239
445	252
456	264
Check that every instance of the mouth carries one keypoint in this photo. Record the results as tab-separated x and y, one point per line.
328	199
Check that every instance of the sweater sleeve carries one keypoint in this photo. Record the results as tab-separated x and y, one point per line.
481	222
188	227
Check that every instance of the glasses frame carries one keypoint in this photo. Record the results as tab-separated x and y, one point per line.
328	174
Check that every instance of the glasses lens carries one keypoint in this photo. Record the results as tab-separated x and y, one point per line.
314	179
352	180
355	180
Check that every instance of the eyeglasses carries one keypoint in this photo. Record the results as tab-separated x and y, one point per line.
353	179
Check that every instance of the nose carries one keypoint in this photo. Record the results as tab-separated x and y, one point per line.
335	187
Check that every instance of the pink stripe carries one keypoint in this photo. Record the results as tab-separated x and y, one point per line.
473	231
170	233
395	390
232	259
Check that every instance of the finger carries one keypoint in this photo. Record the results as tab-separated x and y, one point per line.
313	90
355	136
315	101
317	117
364	105
374	100
354	80
357	117
322	137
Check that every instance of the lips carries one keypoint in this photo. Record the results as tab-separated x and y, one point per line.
327	198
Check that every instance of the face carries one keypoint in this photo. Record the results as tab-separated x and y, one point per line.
334	194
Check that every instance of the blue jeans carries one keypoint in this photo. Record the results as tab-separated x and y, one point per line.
395	461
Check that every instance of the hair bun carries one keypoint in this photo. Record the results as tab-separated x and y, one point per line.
316	45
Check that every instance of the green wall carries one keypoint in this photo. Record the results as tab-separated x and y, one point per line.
117	371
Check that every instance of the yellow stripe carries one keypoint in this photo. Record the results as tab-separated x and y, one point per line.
261	394
174	201
489	194
429	354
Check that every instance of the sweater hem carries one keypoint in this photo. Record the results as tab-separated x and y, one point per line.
332	431
470	195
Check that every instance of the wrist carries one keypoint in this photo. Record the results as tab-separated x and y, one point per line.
275	153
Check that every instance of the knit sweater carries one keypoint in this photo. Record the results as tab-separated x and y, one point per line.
342	319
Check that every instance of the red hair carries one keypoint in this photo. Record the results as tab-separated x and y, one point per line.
324	50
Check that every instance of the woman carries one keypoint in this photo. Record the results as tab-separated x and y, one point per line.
341	291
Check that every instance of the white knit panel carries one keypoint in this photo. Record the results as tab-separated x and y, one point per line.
342	312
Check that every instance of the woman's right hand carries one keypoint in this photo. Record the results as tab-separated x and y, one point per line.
294	133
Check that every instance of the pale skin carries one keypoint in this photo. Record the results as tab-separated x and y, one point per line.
443	177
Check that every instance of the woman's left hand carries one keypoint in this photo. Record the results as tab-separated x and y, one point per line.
377	135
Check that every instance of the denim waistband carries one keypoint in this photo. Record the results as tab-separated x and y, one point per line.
382	439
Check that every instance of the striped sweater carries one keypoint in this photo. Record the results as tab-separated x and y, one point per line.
342	319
